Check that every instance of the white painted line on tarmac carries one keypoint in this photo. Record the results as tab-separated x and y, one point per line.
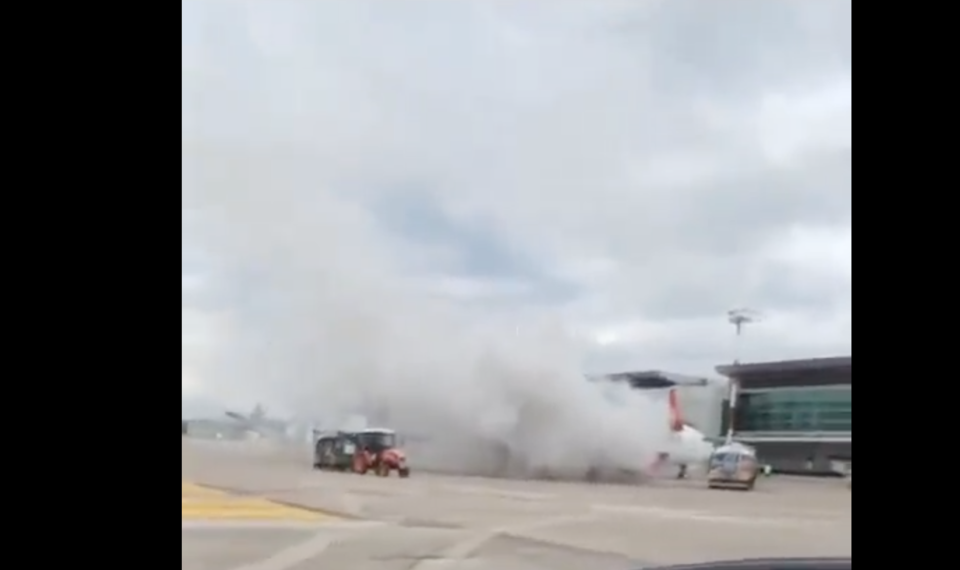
702	516
301	552
455	555
279	524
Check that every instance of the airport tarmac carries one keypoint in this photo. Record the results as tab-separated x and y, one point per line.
295	518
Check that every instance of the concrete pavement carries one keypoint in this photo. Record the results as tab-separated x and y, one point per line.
433	522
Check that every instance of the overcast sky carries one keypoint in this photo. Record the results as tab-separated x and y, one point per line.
630	169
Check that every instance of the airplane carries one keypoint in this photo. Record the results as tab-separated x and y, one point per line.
256	424
687	445
684	445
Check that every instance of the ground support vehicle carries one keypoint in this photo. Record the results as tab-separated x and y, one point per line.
373	449
380	453
335	451
733	466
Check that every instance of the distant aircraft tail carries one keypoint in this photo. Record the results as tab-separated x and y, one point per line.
256	415
236	416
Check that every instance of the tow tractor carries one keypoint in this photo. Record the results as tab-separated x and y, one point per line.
372	449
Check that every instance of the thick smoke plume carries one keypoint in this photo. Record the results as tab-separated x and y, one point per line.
330	328
314	315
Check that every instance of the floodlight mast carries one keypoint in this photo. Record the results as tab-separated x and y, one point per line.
738	318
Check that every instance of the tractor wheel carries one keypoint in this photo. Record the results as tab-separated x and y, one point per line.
404	472
383	470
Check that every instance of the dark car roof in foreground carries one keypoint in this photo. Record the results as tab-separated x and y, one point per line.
765	564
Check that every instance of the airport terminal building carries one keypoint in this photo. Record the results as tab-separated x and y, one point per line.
797	413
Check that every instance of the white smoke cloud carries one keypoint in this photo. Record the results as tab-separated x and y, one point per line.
336	328
317	313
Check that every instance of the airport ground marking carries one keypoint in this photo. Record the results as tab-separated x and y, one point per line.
705	516
204	503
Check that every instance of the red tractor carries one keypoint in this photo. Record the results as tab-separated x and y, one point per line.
377	450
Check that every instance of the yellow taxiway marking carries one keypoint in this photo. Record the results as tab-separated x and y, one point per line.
193	491
203	503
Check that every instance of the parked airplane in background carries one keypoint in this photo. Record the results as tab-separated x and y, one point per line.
257	424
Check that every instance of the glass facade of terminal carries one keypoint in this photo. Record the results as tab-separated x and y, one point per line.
821	409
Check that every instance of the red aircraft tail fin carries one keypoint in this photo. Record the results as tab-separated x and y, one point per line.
675	417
